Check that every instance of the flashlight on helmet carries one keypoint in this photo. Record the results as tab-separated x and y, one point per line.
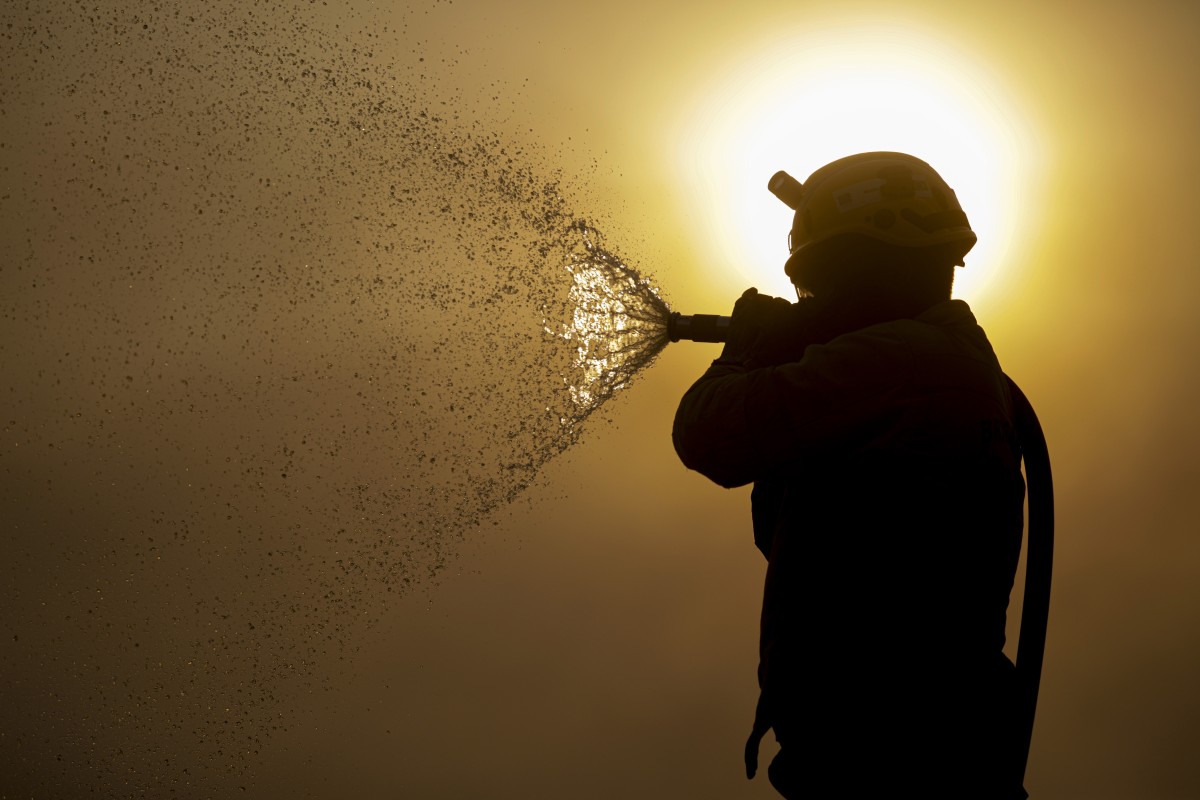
786	188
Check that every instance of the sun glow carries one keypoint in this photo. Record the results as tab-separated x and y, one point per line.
803	101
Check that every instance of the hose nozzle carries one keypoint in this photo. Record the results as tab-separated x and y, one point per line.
697	327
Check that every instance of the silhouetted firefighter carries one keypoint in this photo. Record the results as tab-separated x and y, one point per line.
884	444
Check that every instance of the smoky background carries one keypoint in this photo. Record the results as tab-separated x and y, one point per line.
595	637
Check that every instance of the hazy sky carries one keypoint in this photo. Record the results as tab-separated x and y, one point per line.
256	433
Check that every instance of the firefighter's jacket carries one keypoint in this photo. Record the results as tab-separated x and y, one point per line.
888	502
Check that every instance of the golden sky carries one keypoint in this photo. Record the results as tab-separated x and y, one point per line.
180	343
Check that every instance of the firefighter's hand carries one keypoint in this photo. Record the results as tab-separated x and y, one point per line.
757	327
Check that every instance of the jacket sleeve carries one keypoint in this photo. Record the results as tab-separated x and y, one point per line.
737	425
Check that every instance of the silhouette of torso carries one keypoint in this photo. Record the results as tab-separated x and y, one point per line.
888	502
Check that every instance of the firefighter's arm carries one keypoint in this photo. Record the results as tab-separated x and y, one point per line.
736	425
702	422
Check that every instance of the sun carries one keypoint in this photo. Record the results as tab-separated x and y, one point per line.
803	101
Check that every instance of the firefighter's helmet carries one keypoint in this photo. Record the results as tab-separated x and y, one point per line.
891	199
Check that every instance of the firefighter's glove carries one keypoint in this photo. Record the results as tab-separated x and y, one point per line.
750	754
759	328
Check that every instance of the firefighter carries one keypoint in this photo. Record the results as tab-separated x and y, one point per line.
876	425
